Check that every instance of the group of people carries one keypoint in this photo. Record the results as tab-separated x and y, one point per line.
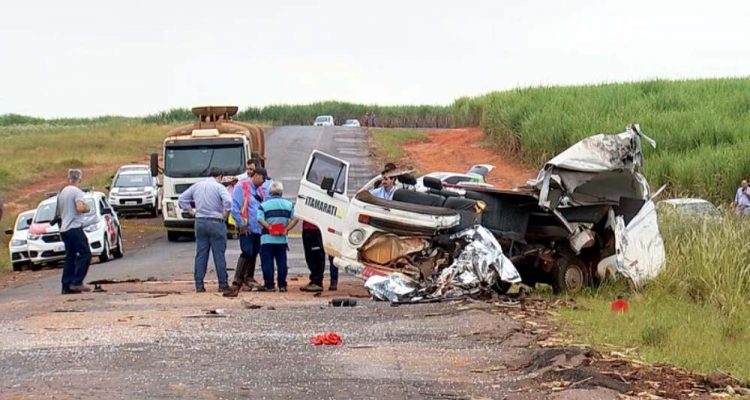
370	119
263	219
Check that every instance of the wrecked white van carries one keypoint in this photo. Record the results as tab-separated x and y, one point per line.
588	215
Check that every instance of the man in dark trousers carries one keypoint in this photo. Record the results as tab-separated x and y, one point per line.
71	209
315	257
246	199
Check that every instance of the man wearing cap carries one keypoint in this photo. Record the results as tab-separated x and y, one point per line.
247	196
212	204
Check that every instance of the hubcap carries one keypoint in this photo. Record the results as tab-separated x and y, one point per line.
574	278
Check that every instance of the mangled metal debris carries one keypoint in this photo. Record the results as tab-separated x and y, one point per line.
480	266
588	216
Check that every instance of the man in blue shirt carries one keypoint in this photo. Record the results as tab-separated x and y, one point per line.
387	185
247	196
276	216
212	204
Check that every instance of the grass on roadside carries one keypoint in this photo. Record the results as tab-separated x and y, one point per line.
32	152
695	314
390	142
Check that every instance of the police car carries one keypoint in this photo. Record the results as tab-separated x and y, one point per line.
102	228
18	248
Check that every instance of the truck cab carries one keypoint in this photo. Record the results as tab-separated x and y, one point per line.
190	151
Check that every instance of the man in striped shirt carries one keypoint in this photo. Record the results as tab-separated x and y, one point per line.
212	204
276	216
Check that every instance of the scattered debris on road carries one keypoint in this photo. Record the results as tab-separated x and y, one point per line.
328	339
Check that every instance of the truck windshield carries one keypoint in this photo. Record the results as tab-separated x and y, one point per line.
196	161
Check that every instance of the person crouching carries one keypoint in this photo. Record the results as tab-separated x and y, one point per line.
276	216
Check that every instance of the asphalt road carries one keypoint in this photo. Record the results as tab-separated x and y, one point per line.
156	340
288	149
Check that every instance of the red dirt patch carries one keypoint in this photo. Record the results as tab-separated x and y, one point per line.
456	150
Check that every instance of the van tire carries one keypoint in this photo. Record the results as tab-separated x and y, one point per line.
570	275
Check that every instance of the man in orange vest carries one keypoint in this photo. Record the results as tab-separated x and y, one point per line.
246	198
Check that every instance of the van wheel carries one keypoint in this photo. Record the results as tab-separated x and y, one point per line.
501	287
173	236
105	256
119	251
570	275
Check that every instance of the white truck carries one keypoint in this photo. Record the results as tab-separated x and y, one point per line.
190	151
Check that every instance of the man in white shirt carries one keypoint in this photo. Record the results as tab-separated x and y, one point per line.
741	202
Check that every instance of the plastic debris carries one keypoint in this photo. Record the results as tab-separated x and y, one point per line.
328	339
619	305
394	287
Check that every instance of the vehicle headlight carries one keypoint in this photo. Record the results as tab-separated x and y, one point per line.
356	237
171	210
33	236
17	242
91	228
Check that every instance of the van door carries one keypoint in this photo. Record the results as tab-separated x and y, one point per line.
325	207
639	246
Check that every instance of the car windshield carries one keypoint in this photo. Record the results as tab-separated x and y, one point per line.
133	180
23	222
321	119
351	121
46	212
197	161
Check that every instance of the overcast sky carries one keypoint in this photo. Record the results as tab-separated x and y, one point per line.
89	58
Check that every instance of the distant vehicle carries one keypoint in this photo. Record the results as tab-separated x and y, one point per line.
351	122
474	177
691	207
214	140
323	120
102	230
135	189
18	246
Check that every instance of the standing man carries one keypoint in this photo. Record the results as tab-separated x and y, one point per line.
246	199
741	202
71	209
276	216
315	257
212	204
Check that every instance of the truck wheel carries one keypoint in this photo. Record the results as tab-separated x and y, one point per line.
173	236
570	275
17	267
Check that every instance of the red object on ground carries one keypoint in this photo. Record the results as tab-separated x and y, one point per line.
330	338
619	305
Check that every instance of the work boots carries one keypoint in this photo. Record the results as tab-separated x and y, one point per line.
240	271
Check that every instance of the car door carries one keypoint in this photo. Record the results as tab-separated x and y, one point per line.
325	208
639	246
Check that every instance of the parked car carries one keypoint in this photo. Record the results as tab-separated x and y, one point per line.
351	123
18	246
588	216
474	177
102	230
323	120
134	190
691	208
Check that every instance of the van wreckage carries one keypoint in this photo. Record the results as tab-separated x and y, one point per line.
588	216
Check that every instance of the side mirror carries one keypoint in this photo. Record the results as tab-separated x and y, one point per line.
9	231
327	185
29	221
106	211
154	164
